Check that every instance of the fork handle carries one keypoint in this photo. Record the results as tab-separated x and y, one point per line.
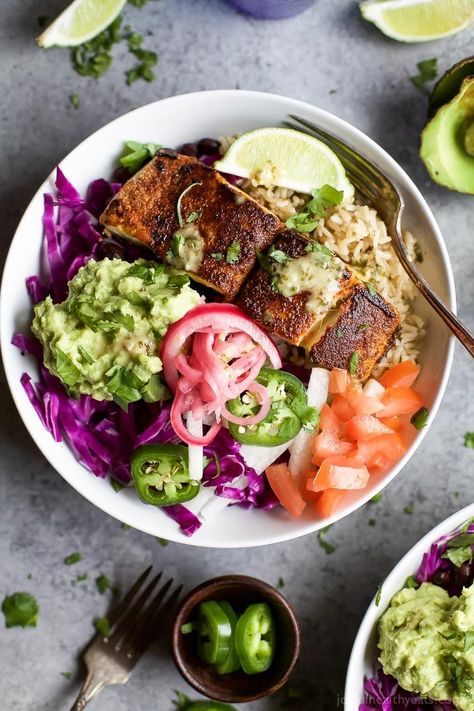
449	317
91	687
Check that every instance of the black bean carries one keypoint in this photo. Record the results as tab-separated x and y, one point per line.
208	147
463	574
442	578
189	149
121	175
110	248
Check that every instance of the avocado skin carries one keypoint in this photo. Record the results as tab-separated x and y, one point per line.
449	84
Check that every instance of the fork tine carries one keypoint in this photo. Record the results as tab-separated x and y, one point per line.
159	613
141	635
130	615
343	150
122	606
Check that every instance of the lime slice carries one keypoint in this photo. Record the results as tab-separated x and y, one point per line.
287	158
419	20
80	22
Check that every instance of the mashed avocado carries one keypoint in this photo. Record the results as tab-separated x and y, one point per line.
427	643
103	340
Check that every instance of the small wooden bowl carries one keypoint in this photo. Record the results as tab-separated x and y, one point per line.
238	687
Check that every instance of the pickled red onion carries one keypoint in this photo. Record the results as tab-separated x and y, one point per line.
213	355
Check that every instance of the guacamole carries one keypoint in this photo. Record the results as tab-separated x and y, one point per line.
427	643
103	340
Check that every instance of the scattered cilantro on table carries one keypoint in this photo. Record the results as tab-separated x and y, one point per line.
325	545
427	70
73	558
66	675
102	626
281	583
469	440
75	101
408	509
375	499
20	610
102	583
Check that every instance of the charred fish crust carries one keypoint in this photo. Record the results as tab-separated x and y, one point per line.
363	326
380	302
160	166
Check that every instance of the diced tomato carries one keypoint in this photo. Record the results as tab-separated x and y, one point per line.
366	427
285	488
400	375
338	381
341	408
400	401
328	502
362	404
326	444
338	473
380	450
329	422
394	423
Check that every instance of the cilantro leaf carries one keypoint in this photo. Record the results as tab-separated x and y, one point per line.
102	626
20	610
278	256
218	256
411	582
75	101
102	583
309	419
353	362
314	210
73	558
93	58
469	440
143	70
420	418
376	498
427	70
378	595
85	354
280	584
135	154
66	675
458	556
325	545
66	368
370	288
408	509
233	253
163	542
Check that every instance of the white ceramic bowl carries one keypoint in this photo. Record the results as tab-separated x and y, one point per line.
172	122
363	660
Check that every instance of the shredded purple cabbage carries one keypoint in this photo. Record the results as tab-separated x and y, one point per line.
382	692
100	433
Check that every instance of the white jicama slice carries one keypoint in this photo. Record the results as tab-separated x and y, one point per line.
300	448
216	504
259	458
195	451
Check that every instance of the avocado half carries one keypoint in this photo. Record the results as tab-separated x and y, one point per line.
447	141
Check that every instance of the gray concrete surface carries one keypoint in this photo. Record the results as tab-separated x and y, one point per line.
329	57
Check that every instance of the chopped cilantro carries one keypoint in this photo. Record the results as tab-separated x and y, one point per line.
309	419
408	509
66	368
378	595
75	101
177	241
93	58
469	440
135	154
81	577
376	498
134	41
325	545
318	248
143	70
370	288
353	362
459	549
411	582
314	210
233	253
278	256
66	675
218	256
427	70
73	558
116	485
192	217
102	626
125	526
280	584
371	522
85	354
420	418
163	542
102	583
20	610
338	332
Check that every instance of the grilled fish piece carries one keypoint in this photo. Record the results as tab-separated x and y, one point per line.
307	296
193	218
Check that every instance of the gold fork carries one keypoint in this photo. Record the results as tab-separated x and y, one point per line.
133	626
377	190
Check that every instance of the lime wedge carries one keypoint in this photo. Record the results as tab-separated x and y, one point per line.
418	20
80	22
287	158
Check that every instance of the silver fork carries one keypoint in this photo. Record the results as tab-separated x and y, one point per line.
377	190
133	626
